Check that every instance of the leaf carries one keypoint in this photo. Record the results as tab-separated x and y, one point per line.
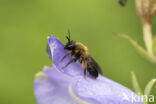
141	50
136	84
149	86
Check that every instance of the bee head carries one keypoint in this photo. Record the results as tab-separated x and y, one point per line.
70	45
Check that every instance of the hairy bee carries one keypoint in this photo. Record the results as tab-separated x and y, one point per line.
81	54
122	2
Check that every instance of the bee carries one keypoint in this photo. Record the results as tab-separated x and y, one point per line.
81	54
122	2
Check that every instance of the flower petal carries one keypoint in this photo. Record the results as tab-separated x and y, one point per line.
56	51
52	89
52	86
104	91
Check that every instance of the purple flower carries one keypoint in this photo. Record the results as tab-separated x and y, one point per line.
55	85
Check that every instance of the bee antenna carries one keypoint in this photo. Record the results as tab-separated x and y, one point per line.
68	37
69	33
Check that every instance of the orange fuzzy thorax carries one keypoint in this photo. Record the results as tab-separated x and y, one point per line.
83	48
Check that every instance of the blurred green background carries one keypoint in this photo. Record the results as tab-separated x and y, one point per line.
26	24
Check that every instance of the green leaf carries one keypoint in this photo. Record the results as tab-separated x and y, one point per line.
136	84
141	50
149	86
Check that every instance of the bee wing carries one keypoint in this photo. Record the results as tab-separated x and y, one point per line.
94	64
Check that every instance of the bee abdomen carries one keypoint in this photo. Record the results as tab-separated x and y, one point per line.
92	71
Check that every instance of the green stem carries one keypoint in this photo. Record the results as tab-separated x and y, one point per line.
148	38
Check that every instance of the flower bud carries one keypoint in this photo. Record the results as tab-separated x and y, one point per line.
146	9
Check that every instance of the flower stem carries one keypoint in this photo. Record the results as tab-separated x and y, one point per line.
148	39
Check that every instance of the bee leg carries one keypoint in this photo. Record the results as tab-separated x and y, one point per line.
85	72
78	54
74	59
65	56
84	65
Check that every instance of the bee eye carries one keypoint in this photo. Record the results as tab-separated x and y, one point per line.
70	45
